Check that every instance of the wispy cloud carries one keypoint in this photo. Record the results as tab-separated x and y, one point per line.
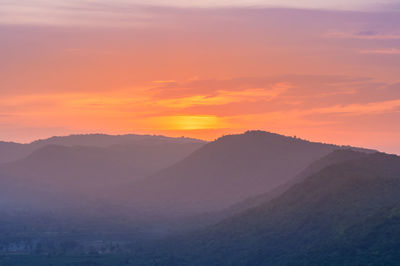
392	51
139	12
292	104
76	13
360	109
362	35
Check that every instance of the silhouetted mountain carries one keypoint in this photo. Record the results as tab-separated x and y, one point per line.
332	158
229	170
345	214
312	204
10	151
64	175
104	140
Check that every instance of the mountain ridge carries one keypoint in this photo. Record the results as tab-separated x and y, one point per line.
231	169
11	151
310	219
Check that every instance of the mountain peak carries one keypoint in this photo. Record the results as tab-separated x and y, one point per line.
253	133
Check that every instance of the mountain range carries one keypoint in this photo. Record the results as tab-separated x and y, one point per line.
345	214
256	198
72	170
11	151
230	170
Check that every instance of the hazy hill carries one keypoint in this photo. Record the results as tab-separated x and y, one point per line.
335	157
336	216
104	140
317	204
229	170
56	174
10	151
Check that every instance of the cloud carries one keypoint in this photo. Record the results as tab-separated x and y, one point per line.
360	109
164	81
392	51
210	88
138	13
362	35
290	97
290	104
211	97
76	13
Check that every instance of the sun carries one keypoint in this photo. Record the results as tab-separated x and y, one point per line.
190	122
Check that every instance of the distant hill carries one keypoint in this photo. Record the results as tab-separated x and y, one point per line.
57	175
104	140
229	170
10	151
345	214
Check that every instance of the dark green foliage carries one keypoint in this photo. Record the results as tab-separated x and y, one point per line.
346	214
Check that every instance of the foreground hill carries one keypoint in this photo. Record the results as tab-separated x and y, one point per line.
345	214
335	157
229	170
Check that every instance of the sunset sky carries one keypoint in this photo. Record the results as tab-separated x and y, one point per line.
321	70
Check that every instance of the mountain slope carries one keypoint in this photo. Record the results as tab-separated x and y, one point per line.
374	241
57	174
10	151
104	140
312	222
335	157
229	170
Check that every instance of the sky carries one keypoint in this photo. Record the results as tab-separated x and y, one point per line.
320	70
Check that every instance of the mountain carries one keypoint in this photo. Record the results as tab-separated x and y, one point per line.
104	140
10	151
227	171
335	157
56	175
345	214
319	204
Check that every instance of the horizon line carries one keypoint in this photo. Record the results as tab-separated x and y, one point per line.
191	138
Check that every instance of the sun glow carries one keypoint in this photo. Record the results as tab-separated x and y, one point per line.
189	122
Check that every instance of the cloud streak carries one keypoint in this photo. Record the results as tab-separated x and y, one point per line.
392	51
362	35
144	13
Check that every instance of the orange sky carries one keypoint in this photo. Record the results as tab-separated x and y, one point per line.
329	76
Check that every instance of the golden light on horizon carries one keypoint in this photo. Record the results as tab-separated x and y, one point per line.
189	122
